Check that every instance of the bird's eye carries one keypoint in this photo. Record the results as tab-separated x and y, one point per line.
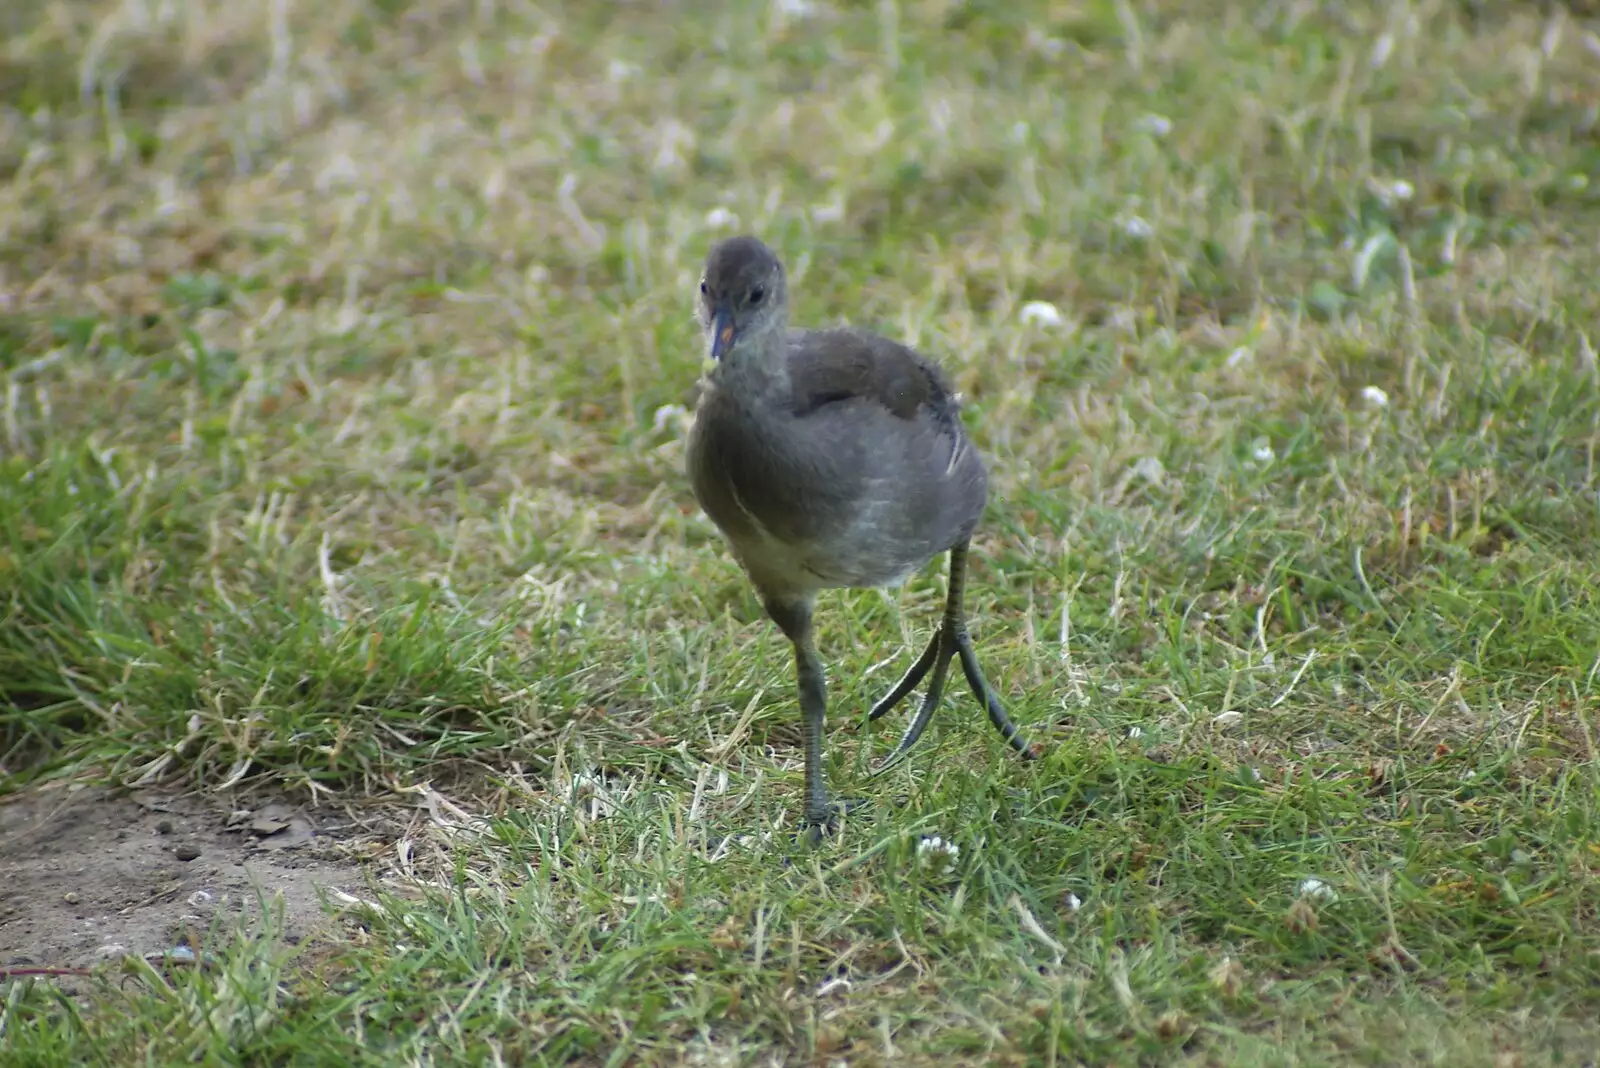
704	292
756	294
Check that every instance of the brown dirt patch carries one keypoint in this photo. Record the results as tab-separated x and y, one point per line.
87	874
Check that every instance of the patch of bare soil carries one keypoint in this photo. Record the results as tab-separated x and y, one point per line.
87	874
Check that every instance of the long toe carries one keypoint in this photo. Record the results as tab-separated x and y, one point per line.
991	704
909	680
946	650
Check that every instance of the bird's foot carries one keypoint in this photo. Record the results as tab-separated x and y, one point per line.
950	642
824	822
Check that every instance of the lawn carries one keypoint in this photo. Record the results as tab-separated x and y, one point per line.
348	351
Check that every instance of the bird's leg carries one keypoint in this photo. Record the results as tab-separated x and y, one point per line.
950	641
793	617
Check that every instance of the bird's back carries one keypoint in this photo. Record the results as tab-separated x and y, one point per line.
854	476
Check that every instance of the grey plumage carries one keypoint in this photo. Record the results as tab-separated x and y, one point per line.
830	458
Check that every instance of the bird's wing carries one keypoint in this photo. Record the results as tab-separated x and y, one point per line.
830	366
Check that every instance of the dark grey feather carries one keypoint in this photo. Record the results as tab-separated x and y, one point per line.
854	475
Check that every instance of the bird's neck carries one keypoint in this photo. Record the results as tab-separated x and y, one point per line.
757	368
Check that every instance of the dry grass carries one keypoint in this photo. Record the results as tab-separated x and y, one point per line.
347	349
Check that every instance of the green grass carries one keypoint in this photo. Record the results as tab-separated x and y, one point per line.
338	453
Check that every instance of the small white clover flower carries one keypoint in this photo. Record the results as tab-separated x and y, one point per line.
720	218
1041	312
1151	469
1136	227
1316	888
1261	450
1153	124
669	414
830	212
1382	49
1393	191
936	855
1375	397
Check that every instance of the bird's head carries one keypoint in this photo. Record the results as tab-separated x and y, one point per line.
743	298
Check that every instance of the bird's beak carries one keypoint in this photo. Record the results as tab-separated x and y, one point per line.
722	333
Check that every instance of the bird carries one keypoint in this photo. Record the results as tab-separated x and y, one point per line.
832	458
